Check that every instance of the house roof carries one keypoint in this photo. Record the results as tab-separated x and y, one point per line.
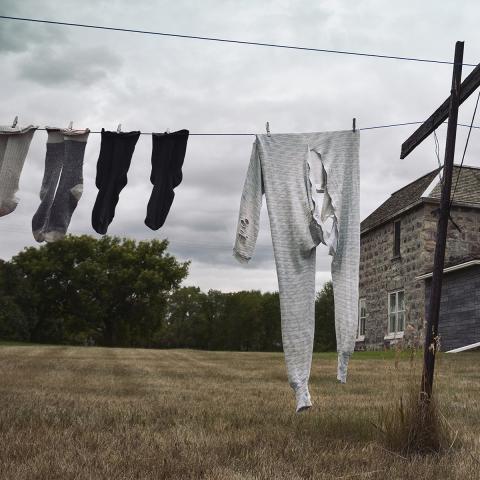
426	188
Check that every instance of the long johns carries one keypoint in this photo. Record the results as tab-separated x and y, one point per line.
311	184
338	153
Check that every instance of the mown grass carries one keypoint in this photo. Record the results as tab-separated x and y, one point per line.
11	343
98	413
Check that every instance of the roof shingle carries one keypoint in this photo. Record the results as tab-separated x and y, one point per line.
468	191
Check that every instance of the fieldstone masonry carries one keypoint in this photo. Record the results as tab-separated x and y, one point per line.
381	273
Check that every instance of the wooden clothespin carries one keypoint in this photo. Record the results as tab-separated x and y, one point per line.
267	126
119	128
354	125
15	121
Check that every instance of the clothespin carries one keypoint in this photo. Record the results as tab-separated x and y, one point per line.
267	126
70	125
119	128
168	130
354	125
15	121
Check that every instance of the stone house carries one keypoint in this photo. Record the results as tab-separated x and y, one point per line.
396	259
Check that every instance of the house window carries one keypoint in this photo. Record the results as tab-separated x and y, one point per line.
396	238
362	315
396	312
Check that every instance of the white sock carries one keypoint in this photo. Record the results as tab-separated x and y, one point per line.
14	145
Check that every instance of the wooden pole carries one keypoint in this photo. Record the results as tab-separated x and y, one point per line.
468	86
431	334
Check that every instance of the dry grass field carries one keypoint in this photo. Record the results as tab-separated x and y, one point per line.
99	413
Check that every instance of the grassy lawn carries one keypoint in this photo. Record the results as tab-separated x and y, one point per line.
9	343
98	413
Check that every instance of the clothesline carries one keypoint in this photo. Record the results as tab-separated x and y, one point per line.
240	42
218	134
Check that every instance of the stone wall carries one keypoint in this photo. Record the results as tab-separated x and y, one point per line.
380	273
459	244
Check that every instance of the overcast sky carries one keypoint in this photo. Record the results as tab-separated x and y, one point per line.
52	75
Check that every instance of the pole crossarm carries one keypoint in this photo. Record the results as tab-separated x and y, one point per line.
468	86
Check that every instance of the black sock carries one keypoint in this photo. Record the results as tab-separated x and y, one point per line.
168	153
116	152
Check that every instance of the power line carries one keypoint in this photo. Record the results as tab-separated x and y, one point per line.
465	150
390	125
239	42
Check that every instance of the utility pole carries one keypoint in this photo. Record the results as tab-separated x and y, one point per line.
431	334
459	93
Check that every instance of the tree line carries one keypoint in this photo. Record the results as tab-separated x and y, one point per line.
122	293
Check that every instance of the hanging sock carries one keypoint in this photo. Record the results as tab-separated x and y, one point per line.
168	154
116	152
63	167
14	145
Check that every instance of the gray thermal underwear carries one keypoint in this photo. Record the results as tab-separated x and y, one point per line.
311	184
14	145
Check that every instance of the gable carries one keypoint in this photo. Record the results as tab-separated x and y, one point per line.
400	200
468	188
468	192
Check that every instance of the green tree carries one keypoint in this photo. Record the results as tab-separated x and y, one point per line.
14	303
325	339
114	290
185	322
271	321
214	332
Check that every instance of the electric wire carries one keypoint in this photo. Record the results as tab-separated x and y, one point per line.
239	42
437	154
464	151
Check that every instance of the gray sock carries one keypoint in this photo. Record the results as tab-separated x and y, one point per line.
53	167
59	201
70	185
14	145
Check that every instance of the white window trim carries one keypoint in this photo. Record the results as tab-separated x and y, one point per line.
393	336
361	338
397	334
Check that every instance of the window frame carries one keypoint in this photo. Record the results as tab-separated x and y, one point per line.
360	335
391	334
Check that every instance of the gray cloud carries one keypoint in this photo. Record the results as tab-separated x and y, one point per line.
19	36
100	79
55	66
